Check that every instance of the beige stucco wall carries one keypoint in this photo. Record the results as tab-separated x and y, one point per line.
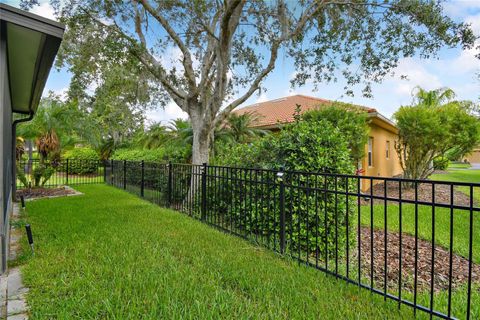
474	157
381	166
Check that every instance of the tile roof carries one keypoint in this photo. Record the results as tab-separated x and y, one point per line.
282	110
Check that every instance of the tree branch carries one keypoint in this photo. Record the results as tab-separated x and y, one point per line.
187	57
178	95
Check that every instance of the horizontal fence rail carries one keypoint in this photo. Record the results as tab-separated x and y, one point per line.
412	241
51	174
416	242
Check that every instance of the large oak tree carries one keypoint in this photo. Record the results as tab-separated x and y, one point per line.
210	56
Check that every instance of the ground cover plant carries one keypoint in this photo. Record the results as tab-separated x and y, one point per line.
108	254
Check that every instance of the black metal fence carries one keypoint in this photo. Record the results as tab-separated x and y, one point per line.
416	242
34	173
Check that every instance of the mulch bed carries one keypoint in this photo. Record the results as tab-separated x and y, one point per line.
424	263
34	193
442	194
84	175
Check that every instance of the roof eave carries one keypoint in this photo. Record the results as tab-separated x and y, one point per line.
52	32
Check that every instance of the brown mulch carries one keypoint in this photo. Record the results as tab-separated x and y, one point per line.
84	175
34	193
442	194
424	263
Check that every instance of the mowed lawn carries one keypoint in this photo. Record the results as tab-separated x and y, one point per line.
461	222
109	254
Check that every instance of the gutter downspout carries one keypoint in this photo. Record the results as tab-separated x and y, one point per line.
14	152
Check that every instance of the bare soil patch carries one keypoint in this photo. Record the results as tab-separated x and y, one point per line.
35	193
424	263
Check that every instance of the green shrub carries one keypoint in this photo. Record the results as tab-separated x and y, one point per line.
301	147
440	163
81	161
166	153
352	122
153	155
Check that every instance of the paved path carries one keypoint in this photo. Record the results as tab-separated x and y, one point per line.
12	292
475	166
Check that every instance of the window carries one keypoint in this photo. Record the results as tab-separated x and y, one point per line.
387	152
370	152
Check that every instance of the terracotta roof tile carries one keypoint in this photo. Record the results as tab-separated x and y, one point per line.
282	110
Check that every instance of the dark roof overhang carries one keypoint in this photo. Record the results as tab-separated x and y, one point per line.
32	43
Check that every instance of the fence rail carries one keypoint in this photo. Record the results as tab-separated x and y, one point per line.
416	242
34	173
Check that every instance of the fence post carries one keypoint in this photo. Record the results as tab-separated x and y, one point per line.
142	186
280	175
67	172
204	192
104	162
124	174
111	172
169	185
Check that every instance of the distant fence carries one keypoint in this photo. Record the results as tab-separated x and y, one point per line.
326	222
32	173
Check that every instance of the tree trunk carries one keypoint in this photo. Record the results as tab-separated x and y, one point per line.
202	129
200	154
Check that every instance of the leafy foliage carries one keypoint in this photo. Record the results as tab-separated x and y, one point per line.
84	160
440	163
300	147
430	129
54	126
227	48
350	120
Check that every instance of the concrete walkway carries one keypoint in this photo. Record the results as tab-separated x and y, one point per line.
13	304
16	302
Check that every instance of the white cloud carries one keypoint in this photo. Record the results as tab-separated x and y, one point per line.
460	8
45	10
262	98
416	75
170	112
466	62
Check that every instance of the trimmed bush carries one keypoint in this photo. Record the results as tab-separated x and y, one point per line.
306	146
166	153
440	163
81	160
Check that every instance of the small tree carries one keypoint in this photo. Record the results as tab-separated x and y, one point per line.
429	130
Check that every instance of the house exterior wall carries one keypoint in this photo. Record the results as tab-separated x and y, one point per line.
381	166
474	157
5	152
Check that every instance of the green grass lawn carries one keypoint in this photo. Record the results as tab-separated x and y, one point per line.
461	175
458	175
459	166
108	254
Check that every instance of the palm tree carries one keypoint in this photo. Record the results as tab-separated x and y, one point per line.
240	128
433	98
154	137
181	130
53	120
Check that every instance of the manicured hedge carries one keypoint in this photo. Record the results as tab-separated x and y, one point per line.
81	160
306	146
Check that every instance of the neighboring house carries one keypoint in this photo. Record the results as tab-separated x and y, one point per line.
474	156
28	46
381	159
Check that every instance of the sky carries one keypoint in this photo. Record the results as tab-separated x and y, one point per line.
454	68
